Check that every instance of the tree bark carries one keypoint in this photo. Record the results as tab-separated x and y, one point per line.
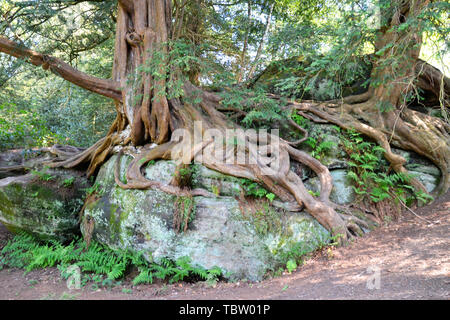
261	44
143	26
382	113
107	88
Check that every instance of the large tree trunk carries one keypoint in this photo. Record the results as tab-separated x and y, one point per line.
396	74
142	27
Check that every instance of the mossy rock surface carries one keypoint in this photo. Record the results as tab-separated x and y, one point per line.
320	86
221	233
46	209
342	191
215	182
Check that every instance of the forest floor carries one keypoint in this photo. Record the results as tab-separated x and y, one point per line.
405	259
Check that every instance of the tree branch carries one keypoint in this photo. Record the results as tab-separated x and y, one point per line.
104	87
261	44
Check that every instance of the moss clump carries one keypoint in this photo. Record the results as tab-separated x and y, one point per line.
265	219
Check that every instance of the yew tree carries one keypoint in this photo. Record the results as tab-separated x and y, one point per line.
153	99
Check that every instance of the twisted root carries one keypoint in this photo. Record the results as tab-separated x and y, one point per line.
407	129
273	171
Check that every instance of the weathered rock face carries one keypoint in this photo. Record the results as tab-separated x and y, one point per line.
16	160
319	87
342	192
336	161
222	233
46	209
421	168
215	182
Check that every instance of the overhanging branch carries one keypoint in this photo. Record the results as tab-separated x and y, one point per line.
104	87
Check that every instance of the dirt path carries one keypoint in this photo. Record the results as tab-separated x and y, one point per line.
404	260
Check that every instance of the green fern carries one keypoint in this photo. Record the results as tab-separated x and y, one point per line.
24	251
145	277
368	173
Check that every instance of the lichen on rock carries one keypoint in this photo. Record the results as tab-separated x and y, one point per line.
219	235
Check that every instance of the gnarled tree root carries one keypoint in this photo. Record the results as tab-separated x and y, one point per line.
279	179
406	129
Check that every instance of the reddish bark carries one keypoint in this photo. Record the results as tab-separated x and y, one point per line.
108	88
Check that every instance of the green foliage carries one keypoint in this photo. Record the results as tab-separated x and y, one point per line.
260	110
79	33
177	271
300	120
270	196
320	146
422	197
291	265
186	210
215	190
185	172
181	56
96	188
314	194
253	189
68	182
317	49
24	251
369	174
42	175
318	142
23	128
323	148
312	73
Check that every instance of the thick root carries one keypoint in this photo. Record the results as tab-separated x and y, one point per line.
425	135
136	180
279	179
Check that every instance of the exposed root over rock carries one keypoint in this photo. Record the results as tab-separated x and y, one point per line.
405	129
145	115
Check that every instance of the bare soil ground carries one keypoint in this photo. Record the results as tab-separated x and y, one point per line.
407	259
